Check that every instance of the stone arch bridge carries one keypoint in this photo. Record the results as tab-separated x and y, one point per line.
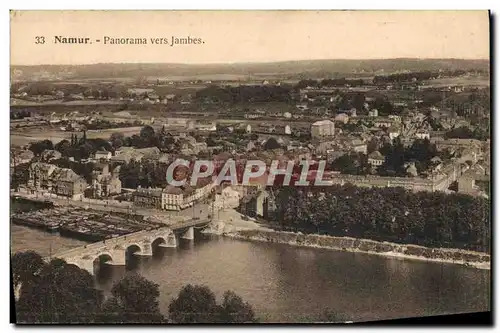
114	251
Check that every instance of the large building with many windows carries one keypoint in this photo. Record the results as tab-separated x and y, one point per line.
49	178
322	129
174	197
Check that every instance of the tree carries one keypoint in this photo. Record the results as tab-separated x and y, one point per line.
58	293
194	304
234	310
64	147
134	300
211	142
271	144
25	266
20	175
85	150
197	304
100	144
147	132
388	214
39	147
254	136
117	140
352	164
372	145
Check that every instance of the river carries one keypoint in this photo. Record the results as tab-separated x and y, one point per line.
291	284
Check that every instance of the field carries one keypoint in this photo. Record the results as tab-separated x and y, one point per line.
472	81
26	136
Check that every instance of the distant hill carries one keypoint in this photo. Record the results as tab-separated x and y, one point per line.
290	69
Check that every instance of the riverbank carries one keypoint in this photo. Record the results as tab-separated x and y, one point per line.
456	256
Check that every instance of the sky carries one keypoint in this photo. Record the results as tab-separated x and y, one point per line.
248	36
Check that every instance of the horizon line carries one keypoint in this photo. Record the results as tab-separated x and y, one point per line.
250	62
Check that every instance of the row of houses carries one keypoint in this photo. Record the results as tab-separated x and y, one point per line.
173	197
64	182
44	177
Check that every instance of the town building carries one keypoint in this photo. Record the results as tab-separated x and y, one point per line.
359	146
102	155
383	122
49	178
49	155
376	158
20	157
342	118
423	134
466	184
395	118
241	128
373	113
322	129
173	197
105	183
148	198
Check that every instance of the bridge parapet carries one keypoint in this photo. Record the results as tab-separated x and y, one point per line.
114	251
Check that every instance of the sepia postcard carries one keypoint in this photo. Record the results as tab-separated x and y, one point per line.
187	167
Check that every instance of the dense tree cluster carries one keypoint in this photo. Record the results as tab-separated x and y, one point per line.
40	146
20	114
44	88
53	292
147	137
405	77
470	104
78	148
245	94
271	144
82	148
20	175
417	76
388	214
384	106
198	304
57	292
327	83
82	169
144	174
351	164
465	132
104	124
396	156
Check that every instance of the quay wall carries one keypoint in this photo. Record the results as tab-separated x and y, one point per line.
349	244
48	195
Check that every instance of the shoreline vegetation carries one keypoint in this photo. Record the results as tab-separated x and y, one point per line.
467	258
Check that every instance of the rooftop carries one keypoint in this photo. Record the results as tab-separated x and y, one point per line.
322	122
376	155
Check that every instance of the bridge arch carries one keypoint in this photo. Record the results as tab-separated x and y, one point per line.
99	261
158	241
130	250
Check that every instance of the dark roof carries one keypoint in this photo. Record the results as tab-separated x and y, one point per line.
376	155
